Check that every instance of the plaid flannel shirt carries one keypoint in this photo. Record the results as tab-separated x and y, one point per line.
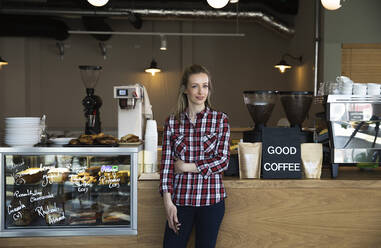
205	143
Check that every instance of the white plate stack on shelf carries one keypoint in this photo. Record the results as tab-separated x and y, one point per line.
22	131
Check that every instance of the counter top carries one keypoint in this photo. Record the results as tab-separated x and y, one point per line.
349	177
74	149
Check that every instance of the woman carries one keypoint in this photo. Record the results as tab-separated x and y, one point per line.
195	153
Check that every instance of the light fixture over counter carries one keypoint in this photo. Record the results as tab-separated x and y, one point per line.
163	43
3	62
98	3
153	68
283	65
332	4
218	4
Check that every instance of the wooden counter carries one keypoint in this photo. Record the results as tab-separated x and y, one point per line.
264	213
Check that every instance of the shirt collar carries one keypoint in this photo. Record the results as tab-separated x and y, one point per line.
202	114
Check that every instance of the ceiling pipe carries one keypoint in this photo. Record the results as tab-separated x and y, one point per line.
263	18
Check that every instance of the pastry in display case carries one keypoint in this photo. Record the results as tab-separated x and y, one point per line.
70	190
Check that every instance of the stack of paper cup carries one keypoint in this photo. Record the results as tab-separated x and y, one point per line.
359	89
373	89
150	147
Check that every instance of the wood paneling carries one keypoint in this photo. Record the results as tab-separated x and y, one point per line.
70	242
263	213
362	62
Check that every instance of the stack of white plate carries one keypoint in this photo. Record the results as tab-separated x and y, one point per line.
22	131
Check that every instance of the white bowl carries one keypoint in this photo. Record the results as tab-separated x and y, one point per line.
61	141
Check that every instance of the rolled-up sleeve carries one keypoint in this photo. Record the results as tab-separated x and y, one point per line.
166	169
219	162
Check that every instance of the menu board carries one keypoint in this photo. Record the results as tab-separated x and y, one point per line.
281	153
63	190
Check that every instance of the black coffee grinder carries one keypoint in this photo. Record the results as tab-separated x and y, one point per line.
260	104
296	105
92	103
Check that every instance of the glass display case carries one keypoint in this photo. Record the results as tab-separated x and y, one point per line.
66	191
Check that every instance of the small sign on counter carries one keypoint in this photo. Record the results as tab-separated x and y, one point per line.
281	153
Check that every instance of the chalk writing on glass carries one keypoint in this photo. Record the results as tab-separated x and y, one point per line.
29	192
17	216
16	166
15	211
18	179
53	219
82	186
48	210
40	198
113	181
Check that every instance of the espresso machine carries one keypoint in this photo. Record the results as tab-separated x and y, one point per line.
131	117
92	103
354	123
260	104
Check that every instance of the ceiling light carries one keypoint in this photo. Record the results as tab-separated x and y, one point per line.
2	62
234	1
153	68
283	65
98	3
163	43
217	4
331	4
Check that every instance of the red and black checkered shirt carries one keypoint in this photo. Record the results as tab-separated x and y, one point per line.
205	143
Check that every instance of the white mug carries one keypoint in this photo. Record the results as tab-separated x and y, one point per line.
373	89
342	79
359	89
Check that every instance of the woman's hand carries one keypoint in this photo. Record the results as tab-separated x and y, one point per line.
171	212
181	167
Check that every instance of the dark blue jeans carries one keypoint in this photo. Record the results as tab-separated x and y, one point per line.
207	221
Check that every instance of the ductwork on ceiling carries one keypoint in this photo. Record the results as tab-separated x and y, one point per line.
274	14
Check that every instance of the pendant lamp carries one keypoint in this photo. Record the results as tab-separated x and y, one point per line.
218	4
98	3
331	4
283	65
3	62
153	68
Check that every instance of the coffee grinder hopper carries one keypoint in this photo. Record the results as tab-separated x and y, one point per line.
90	75
296	105
92	103
260	104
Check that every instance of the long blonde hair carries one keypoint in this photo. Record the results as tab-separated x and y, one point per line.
182	99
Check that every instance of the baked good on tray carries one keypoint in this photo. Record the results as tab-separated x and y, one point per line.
115	216
30	175
94	139
83	217
83	177
129	138
123	175
93	170
58	175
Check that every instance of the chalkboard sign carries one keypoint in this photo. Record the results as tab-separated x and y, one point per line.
281	153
